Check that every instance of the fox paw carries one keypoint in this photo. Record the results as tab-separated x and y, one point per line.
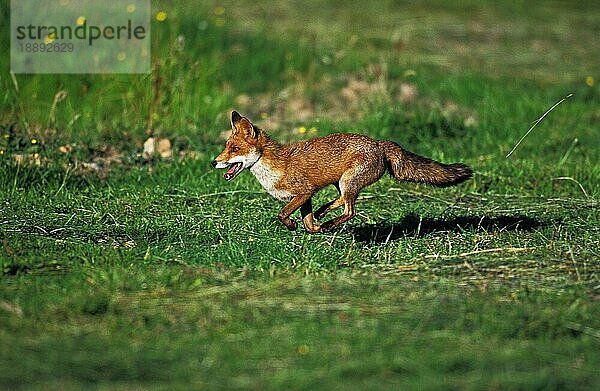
315	229
327	227
291	225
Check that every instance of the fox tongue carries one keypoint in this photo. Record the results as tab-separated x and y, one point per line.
233	171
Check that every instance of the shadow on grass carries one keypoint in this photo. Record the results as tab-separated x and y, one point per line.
416	227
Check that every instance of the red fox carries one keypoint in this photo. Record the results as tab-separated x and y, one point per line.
351	162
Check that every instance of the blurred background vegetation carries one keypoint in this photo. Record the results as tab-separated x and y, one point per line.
484	69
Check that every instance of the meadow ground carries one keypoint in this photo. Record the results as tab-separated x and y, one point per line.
121	270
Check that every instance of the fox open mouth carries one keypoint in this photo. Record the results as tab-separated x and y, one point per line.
234	170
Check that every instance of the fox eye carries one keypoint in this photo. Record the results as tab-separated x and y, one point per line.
235	149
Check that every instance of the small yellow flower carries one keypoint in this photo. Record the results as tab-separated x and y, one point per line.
264	115
81	21
6	135
303	349
131	8
121	56
589	81
313	130
50	38
302	130
1	152
219	22
33	141
219	10
161	16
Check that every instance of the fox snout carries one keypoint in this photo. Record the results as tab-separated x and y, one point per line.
234	167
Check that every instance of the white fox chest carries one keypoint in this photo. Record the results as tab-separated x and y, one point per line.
268	178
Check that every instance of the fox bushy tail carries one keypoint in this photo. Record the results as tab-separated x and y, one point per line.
407	166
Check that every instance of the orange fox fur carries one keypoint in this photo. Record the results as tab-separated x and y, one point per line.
351	162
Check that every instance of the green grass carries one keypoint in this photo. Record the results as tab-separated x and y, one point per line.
121	273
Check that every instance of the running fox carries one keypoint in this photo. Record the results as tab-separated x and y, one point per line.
351	162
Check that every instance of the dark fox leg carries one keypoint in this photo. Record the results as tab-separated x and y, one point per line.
291	207
328	207
307	217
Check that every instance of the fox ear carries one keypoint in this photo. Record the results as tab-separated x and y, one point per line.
235	118
239	123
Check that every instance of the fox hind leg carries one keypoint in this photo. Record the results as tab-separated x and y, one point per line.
349	212
349	188
351	183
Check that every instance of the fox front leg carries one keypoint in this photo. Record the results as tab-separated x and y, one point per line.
307	217
291	207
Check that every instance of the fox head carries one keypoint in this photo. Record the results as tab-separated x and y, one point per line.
241	149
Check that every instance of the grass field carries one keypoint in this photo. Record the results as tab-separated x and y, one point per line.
125	271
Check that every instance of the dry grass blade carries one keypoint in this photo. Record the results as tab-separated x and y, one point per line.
14	80
566	178
489	250
537	122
